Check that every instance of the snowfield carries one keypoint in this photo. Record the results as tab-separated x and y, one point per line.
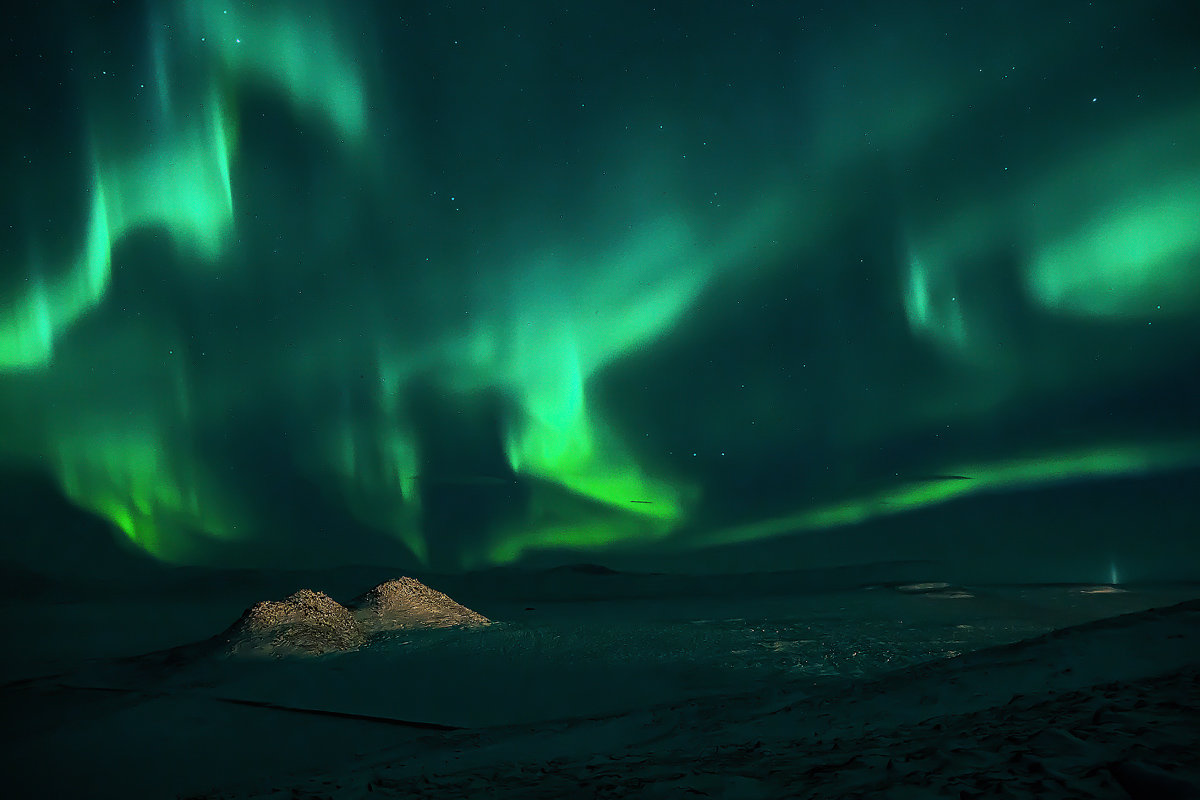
882	690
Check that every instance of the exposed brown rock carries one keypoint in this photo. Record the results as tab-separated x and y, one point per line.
406	603
310	623
306	623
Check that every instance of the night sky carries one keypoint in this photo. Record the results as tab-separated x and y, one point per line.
457	285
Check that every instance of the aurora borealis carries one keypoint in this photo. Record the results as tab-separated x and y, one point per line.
460	286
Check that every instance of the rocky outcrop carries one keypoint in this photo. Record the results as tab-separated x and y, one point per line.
310	623
406	603
306	623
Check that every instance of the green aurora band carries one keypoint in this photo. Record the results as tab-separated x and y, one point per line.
328	269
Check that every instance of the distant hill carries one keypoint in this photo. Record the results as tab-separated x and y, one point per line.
585	569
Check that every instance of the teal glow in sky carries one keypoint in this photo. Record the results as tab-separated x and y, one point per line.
469	286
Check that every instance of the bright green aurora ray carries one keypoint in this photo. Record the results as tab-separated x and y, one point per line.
519	284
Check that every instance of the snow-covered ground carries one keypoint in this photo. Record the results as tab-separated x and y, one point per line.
881	690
